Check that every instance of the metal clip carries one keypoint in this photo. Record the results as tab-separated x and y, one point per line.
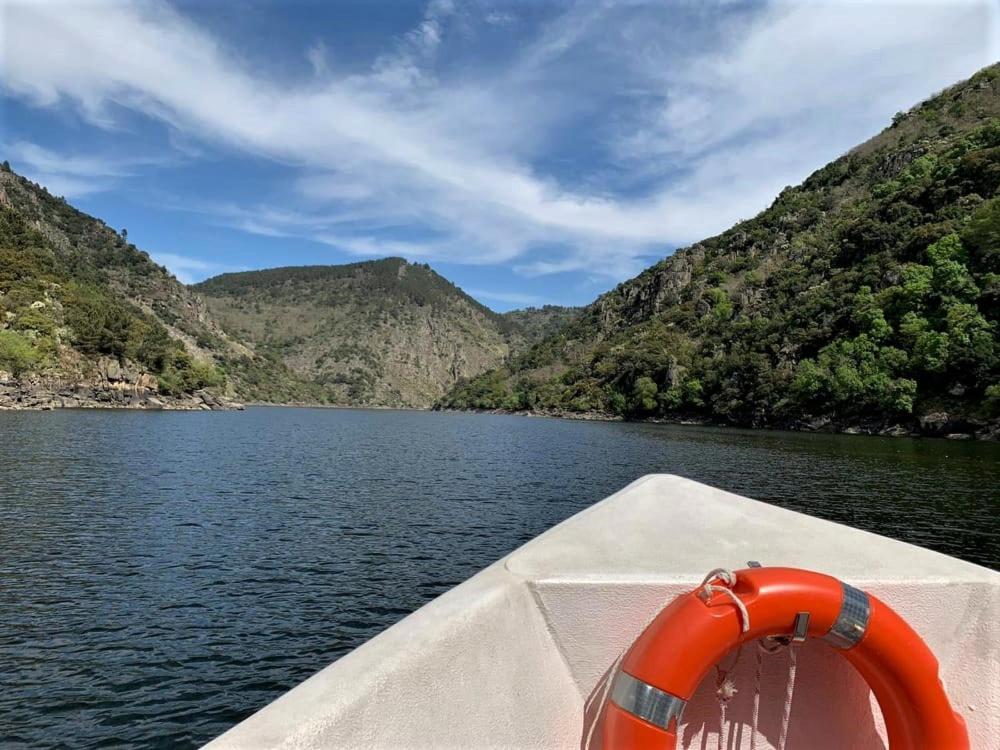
753	564
800	629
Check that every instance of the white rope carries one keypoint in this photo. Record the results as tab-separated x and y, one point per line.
771	646
729	579
725	688
789	692
726	576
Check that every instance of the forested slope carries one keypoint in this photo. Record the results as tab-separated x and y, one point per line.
85	312
864	298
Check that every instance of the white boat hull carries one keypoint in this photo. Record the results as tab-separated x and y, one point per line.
508	658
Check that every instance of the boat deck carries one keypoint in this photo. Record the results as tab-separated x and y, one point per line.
509	657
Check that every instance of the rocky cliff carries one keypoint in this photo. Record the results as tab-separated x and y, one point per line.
385	332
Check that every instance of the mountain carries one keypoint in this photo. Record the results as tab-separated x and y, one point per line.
88	319
383	332
865	299
531	325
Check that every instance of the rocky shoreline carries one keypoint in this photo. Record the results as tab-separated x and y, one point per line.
136	393
76	396
936	424
112	386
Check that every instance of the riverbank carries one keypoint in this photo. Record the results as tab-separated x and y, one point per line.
936	424
41	395
123	395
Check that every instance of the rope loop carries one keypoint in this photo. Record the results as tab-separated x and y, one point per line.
728	578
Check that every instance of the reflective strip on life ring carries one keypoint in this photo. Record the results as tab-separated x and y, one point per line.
664	666
852	622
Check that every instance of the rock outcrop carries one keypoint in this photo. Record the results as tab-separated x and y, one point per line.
111	386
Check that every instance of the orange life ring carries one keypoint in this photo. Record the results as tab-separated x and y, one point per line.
661	670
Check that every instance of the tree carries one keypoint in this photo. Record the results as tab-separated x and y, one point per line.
970	334
982	236
644	394
947	248
17	354
856	375
916	285
931	351
868	315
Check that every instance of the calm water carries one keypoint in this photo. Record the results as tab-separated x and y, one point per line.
162	575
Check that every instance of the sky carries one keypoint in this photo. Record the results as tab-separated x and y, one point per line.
532	152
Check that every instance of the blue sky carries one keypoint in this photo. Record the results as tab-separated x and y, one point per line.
532	152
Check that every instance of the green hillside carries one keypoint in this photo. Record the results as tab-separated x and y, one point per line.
864	298
75	294
87	315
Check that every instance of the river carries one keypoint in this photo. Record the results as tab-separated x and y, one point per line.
163	575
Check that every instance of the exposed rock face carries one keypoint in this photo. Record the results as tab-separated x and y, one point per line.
648	294
111	385
936	423
54	395
386	333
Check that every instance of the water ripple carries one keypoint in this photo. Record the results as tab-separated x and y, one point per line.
165	575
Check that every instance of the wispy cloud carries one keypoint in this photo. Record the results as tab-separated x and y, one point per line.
499	18
510	298
63	174
74	175
674	119
189	270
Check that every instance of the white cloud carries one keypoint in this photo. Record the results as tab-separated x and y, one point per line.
510	298
68	175
188	269
793	88
44	160
414	150
499	18
74	175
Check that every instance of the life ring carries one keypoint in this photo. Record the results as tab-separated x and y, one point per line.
661	670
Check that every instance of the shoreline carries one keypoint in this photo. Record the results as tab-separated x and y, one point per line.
938	425
49	397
